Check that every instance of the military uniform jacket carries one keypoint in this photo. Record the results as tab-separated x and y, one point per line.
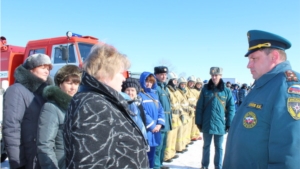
164	98
211	114
265	132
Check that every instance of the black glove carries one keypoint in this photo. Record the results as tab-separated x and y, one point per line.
227	129
199	127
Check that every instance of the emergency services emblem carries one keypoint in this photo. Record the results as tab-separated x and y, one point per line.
249	120
295	89
293	106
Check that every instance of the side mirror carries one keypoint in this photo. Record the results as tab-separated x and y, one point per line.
65	53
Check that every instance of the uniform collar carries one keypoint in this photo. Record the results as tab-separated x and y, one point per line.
281	67
162	84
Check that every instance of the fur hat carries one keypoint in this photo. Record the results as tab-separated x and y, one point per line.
216	71
66	71
36	60
160	69
131	82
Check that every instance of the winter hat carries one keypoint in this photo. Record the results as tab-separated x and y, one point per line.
131	82
216	71
36	60
160	69
66	71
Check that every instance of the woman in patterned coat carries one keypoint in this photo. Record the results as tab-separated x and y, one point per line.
99	132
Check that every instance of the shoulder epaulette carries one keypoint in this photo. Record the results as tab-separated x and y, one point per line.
290	76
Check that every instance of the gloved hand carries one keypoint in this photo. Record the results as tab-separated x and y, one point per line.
227	129
199	127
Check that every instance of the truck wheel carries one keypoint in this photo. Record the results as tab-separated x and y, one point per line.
3	157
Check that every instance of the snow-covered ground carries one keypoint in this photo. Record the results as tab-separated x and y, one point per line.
188	160
192	158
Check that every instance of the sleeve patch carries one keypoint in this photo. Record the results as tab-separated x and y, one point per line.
290	76
295	89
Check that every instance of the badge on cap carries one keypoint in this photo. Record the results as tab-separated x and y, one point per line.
249	120
293	106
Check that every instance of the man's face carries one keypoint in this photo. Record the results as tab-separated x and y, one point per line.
198	85
259	63
191	84
183	85
216	78
162	77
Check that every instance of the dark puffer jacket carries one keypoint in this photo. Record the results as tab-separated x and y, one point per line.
51	153
99	132
22	105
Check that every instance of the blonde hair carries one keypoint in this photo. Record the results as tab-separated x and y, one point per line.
105	61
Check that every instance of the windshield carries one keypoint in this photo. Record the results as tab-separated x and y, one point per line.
84	49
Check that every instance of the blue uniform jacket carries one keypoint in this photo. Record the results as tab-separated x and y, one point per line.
154	111
164	98
213	118
265	132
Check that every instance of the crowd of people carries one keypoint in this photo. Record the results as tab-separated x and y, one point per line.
93	117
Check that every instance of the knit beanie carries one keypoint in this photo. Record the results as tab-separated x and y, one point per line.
131	82
37	60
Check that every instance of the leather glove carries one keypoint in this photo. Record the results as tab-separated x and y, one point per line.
199	127
227	129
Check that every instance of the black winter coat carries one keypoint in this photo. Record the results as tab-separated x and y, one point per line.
99	132
21	109
50	145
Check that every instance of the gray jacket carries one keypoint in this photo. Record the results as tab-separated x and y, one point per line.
21	108
50	145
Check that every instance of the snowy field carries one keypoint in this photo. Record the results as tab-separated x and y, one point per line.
192	158
188	160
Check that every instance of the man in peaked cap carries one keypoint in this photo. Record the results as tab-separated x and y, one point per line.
214	113
265	131
164	98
